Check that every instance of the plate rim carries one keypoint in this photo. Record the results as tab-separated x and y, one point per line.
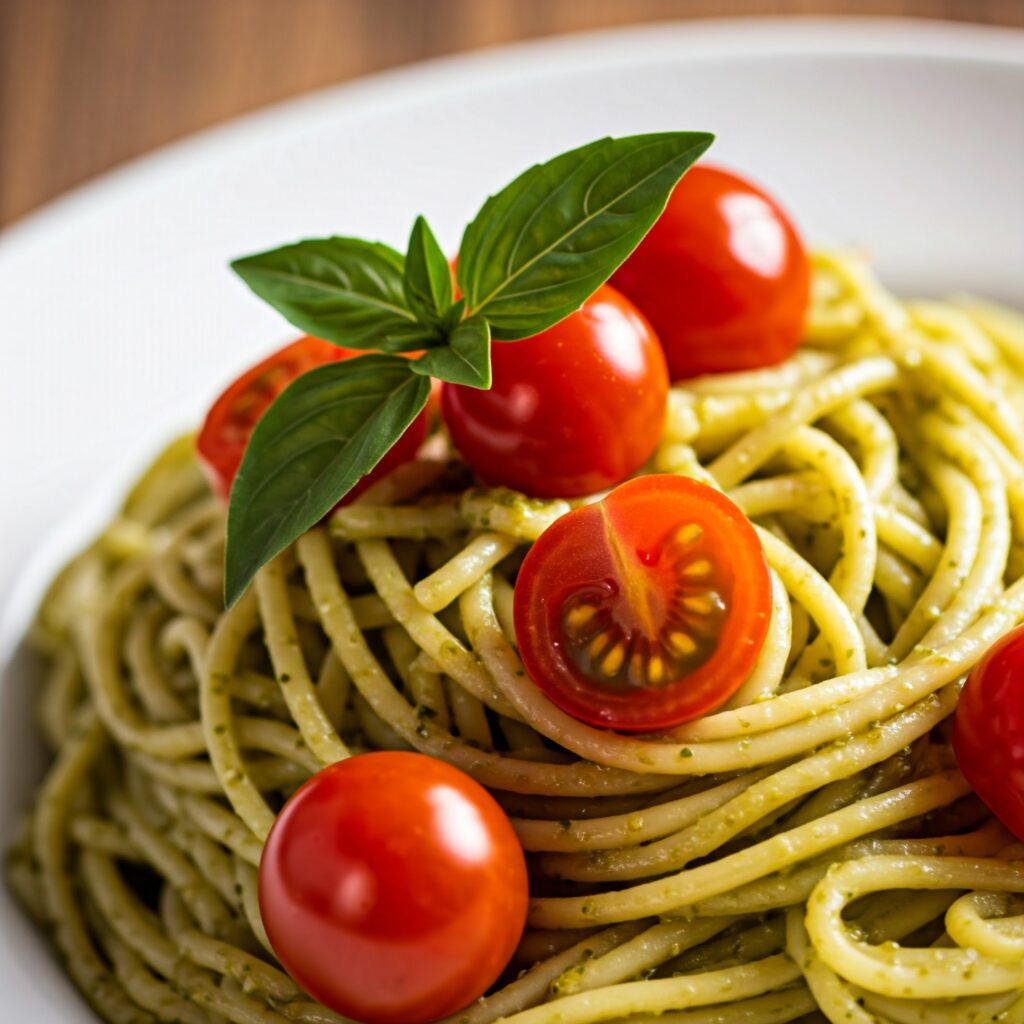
685	41
695	39
618	46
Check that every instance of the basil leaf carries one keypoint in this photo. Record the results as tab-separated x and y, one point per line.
325	431
544	244
453	317
344	290
466	359
428	278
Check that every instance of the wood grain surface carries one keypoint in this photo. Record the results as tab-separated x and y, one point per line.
87	84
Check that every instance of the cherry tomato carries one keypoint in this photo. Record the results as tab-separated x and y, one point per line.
722	276
988	731
572	410
393	888
646	609
230	421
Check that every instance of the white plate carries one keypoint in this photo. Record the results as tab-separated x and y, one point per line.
119	321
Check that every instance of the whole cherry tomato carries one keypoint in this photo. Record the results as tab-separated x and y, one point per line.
646	609
393	888
572	410
722	276
988	731
232	417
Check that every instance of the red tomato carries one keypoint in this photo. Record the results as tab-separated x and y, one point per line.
573	410
230	421
393	888
644	610
988	731
722	276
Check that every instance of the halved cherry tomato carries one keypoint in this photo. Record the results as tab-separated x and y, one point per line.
722	276
232	417
988	731
573	410
393	888
646	609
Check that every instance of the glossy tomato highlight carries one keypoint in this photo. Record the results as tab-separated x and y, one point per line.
573	410
644	610
722	276
393	888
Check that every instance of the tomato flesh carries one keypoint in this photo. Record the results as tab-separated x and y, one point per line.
393	888
644	610
232	417
988	731
573	410
722	276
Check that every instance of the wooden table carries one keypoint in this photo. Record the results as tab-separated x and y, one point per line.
87	84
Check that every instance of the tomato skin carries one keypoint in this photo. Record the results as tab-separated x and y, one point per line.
988	730
627	573
722	276
573	410
234	414
393	888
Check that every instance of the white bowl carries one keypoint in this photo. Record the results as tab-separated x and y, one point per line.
119	320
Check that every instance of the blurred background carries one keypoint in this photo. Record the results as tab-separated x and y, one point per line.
88	84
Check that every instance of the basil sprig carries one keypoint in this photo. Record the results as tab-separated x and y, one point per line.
428	278
544	244
532	255
343	290
339	421
466	359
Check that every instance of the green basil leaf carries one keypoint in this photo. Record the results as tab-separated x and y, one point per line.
428	278
453	317
344	290
325	431
544	244
466	359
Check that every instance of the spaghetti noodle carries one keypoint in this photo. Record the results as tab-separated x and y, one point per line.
808	850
